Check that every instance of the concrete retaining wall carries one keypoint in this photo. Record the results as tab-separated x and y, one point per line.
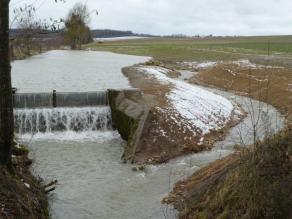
129	114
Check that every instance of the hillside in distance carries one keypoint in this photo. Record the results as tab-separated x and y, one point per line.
96	33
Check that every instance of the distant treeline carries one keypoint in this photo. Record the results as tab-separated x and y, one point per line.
37	34
106	33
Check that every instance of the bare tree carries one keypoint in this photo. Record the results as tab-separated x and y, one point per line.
28	25
30	29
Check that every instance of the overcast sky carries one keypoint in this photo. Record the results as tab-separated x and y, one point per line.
191	17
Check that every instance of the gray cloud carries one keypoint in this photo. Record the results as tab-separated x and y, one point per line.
219	17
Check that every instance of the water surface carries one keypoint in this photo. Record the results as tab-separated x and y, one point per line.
72	71
93	181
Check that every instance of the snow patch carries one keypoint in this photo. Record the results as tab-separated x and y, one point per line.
98	136
200	65
191	107
245	63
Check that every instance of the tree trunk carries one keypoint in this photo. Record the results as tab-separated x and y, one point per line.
12	56
6	106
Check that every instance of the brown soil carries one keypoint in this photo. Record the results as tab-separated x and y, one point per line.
254	183
158	147
187	190
270	85
21	194
226	188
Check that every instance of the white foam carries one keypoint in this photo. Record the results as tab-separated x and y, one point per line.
97	136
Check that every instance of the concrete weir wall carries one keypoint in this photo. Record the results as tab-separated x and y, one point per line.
57	99
129	114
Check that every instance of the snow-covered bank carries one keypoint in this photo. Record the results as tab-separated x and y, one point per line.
199	65
119	38
242	63
194	109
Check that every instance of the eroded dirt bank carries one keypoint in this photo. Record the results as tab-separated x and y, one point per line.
170	131
252	183
21	194
270	84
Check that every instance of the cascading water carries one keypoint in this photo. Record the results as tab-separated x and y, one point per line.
50	120
77	115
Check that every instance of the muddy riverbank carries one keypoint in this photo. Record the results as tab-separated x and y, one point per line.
22	195
166	133
211	192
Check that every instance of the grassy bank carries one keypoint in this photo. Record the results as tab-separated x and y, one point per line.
256	183
19	54
270	85
212	49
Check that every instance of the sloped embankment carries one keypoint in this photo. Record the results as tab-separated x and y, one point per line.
176	118
254	183
270	84
21	195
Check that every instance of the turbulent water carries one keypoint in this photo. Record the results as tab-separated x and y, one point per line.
93	181
48	120
78	147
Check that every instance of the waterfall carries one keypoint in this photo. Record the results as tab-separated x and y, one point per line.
50	120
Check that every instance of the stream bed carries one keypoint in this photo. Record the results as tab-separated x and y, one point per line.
92	180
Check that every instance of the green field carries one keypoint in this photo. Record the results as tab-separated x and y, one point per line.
219	48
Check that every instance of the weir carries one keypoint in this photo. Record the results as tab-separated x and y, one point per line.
60	112
56	99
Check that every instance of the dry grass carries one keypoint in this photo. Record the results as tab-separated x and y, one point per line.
17	199
256	183
270	85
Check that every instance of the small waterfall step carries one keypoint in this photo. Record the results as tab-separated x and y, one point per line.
56	99
47	120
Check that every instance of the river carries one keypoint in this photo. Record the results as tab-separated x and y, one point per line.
92	180
72	71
